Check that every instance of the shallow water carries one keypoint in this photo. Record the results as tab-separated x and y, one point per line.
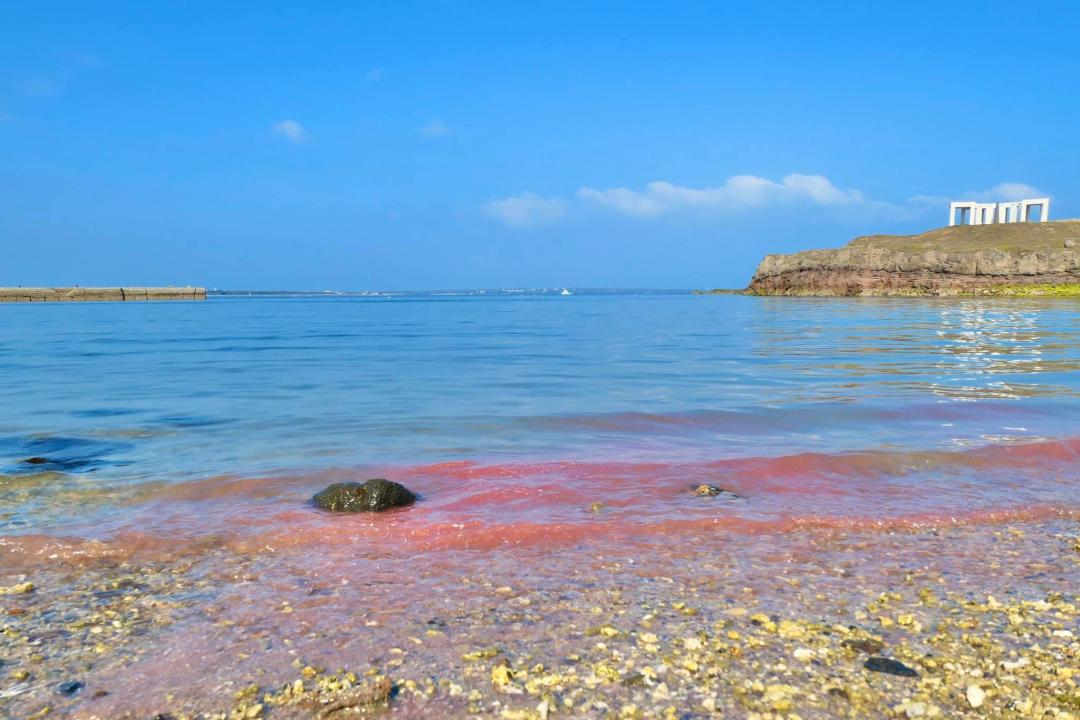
543	433
513	413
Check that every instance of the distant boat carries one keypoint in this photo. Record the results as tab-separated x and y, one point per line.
566	292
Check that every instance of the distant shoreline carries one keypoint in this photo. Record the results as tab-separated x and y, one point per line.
100	294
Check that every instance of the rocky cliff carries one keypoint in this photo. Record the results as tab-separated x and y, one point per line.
1016	259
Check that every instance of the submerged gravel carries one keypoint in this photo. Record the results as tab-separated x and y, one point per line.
945	622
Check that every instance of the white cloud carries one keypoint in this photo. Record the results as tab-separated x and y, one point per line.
373	76
741	193
292	130
738	192
526	210
1004	192
434	128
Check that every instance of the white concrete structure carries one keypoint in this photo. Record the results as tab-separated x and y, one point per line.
1009	212
962	213
975	213
985	214
1026	207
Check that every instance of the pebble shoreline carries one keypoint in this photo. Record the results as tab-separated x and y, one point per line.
802	625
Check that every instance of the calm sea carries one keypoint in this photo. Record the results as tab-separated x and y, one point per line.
510	412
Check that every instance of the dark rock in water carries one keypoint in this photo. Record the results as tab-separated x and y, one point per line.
864	645
374	496
59	464
59	453
707	490
889	667
70	688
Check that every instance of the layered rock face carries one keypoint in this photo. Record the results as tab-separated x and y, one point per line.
965	260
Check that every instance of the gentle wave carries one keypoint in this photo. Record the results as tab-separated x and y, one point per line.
478	506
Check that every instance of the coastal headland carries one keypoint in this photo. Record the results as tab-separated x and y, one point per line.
1021	259
99	294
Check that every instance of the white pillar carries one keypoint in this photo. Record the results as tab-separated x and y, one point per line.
1009	212
983	213
958	209
1025	209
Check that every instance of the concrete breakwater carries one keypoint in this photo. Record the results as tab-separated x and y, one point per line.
99	294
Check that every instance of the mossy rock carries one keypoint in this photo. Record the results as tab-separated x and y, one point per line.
375	495
707	490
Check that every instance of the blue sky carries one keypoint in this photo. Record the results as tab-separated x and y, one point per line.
412	145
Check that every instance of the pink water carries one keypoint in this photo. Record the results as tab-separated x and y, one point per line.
483	507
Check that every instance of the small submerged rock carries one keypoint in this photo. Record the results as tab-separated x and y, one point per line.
70	688
889	667
47	463
870	646
707	490
17	589
330	696
375	495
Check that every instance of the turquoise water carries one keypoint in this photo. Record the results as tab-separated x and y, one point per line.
117	396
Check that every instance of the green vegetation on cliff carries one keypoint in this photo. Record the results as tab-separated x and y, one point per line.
1039	290
1010	238
1025	259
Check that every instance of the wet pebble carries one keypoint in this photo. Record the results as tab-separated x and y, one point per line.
707	490
69	688
889	667
864	645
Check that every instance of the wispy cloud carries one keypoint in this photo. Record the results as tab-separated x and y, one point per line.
1002	192
526	210
291	130
1006	191
738	192
373	76
435	128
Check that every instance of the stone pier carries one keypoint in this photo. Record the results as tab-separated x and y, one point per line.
100	294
